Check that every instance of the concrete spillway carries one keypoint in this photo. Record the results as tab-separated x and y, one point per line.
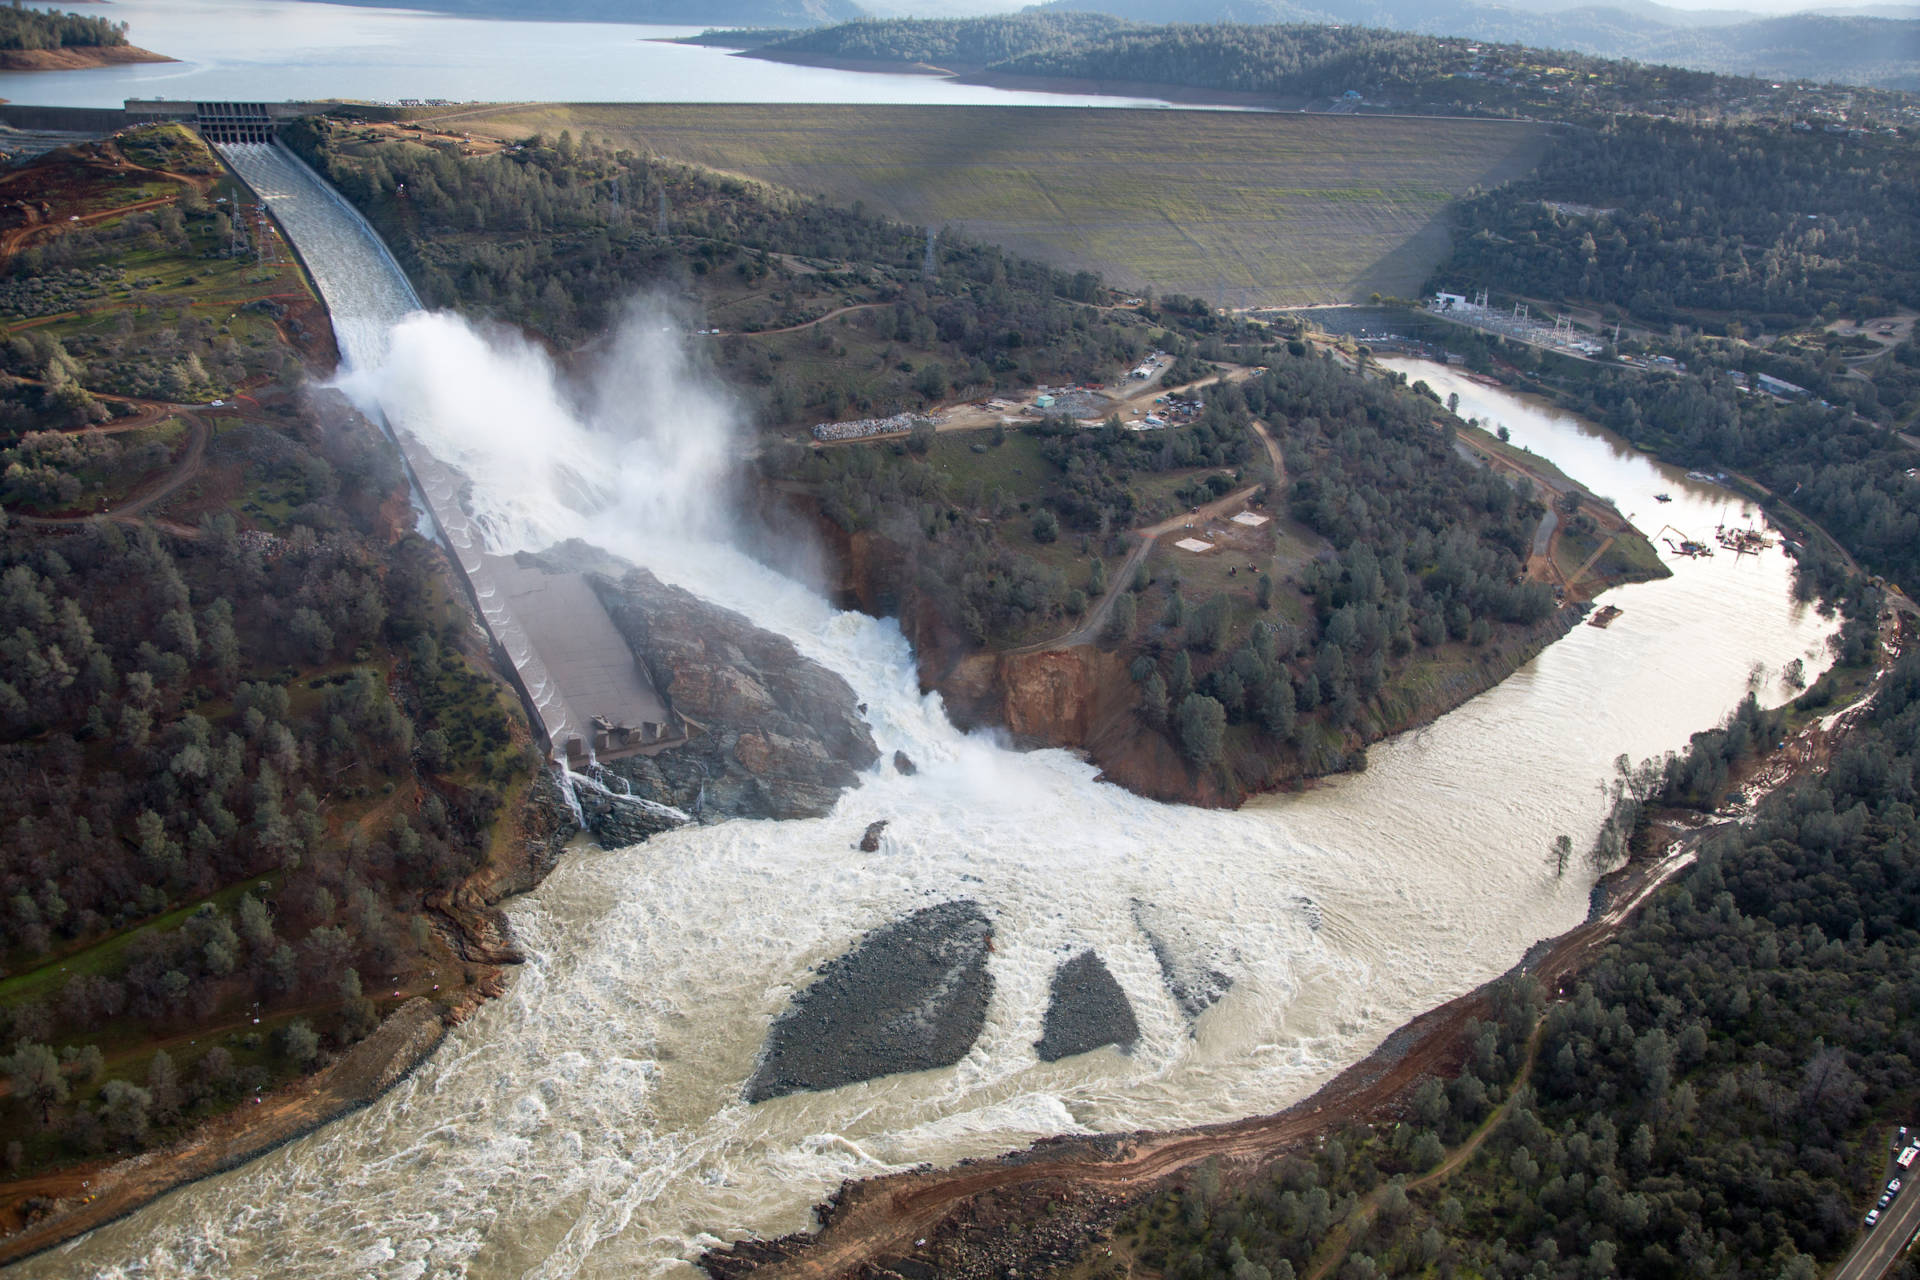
584	670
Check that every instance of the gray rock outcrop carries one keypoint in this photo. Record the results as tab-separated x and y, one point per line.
1086	1009
911	996
772	734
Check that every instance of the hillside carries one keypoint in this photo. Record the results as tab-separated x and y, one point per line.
1316	66
1867	50
681	13
249	747
1253	209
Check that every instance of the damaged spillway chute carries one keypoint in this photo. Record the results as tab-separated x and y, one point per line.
587	693
603	802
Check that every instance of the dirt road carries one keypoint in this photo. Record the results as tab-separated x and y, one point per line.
804	324
1096	618
129	512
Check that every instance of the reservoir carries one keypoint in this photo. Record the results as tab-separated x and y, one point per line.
592	1122
276	50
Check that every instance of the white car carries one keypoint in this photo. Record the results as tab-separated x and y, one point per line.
1873	1216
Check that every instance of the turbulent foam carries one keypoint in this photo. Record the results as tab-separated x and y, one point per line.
591	1121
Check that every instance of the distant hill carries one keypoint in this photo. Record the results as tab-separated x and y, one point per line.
957	44
683	13
1883	51
1337	67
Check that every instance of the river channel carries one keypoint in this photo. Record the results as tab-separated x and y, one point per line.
591	1122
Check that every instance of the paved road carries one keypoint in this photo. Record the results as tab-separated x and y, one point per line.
1882	1246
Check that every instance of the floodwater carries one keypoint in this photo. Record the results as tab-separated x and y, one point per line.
590	1122
278	50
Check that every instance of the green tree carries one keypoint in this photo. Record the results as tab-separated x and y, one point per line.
1559	854
1202	724
125	1110
34	1071
300	1042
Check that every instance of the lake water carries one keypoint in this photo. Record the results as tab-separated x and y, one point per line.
278	50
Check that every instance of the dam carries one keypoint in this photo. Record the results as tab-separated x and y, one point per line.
588	694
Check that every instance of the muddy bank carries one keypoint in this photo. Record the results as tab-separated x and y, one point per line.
76	58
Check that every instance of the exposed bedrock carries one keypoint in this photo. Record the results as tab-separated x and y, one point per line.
911	996
771	734
1085	1010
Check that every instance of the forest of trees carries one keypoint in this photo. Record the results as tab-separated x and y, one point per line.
1771	225
1296	60
1712	1098
239	748
1425	549
557	235
45	29
952	42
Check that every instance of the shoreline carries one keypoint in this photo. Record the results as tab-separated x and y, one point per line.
353	1081
77	57
872	66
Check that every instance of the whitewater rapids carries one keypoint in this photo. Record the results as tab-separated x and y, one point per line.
590	1121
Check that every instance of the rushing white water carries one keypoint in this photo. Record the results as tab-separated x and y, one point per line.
590	1122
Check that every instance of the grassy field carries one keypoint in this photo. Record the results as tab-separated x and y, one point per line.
1253	208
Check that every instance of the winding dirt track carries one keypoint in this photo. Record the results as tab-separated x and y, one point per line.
804	324
1147	535
129	512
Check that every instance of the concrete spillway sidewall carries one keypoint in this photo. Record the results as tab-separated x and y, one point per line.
537	711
